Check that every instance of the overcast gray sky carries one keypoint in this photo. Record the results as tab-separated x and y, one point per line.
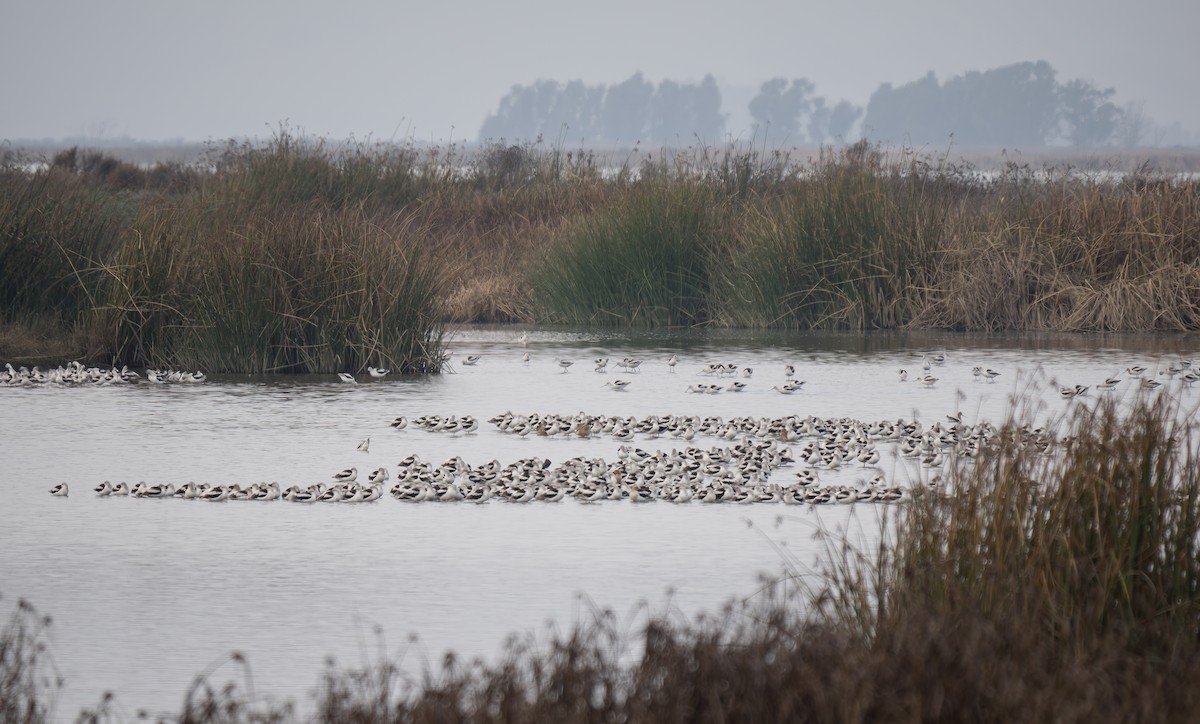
156	69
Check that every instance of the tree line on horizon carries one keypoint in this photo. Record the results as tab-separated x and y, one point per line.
1022	104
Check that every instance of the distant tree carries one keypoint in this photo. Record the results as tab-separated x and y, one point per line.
915	108
842	119
1013	105
818	120
1133	126
679	112
578	110
708	122
1086	115
626	114
829	124
668	112
780	109
513	119
526	112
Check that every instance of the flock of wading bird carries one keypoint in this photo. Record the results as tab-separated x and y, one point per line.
741	465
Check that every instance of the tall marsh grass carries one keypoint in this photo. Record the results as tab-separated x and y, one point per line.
852	244
1071	253
52	228
1095	541
226	278
646	262
293	290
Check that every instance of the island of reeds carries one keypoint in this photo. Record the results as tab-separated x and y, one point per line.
1056	583
298	256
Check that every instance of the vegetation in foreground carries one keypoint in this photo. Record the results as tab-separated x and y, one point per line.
1040	585
300	257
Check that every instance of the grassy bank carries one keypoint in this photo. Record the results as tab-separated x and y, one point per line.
299	255
1055	578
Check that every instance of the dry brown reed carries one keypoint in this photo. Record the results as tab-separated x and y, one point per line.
1072	253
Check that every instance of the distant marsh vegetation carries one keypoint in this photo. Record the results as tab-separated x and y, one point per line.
299	256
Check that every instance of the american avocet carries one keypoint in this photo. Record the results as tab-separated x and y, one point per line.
1067	392
218	493
365	445
400	422
377	372
164	490
471	360
524	340
868	456
120	488
1135	370
564	364
1149	384
903	375
478	494
1109	383
672	361
103	489
977	372
336	494
789	371
990	374
525	358
348	475
927	380
59	490
617	384
347	378
747	371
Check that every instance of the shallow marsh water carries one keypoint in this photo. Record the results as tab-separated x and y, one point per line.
145	594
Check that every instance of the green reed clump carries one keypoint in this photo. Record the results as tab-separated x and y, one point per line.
643	262
849	244
52	227
303	289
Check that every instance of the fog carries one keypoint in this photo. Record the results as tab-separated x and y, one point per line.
381	70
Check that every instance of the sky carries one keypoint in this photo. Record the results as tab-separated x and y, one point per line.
431	71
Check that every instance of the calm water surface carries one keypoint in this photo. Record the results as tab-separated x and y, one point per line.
147	593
